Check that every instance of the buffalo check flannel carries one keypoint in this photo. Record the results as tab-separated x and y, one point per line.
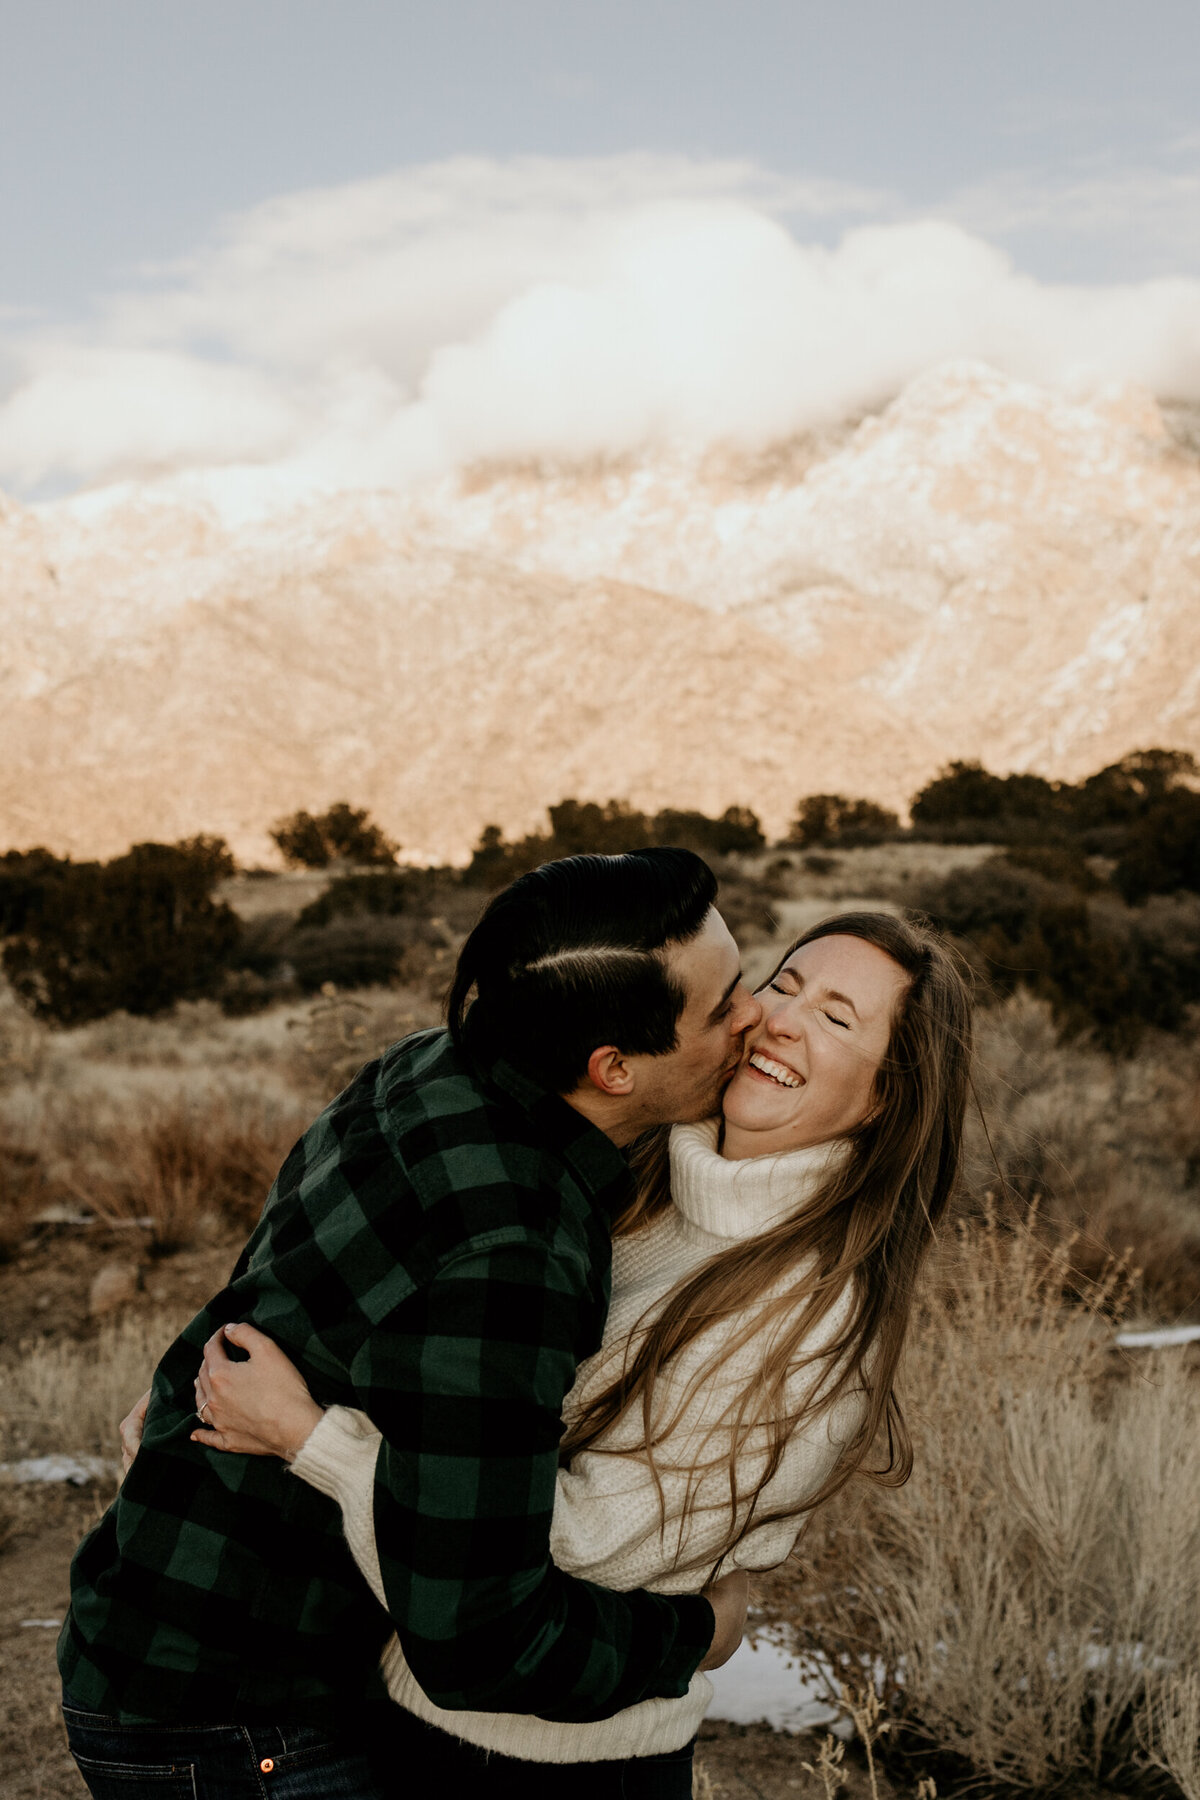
435	1250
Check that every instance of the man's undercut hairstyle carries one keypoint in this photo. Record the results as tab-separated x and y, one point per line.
572	956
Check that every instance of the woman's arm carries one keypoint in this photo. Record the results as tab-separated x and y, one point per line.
616	1521
262	1407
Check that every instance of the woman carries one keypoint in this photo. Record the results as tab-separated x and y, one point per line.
762	1285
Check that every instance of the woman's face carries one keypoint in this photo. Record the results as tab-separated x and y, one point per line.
808	1072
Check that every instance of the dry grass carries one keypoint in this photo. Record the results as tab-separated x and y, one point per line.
1044	1561
174	1125
179	1164
339	1032
1110	1147
70	1396
9	1512
1030	1602
1172	1734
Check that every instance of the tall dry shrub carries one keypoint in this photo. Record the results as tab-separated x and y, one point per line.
1045	1556
171	1167
1109	1146
1171	1734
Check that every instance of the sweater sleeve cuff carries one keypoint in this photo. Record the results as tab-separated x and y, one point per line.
342	1445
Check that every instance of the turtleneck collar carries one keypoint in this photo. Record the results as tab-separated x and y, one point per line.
733	1200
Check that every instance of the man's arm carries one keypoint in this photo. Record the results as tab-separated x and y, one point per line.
466	1385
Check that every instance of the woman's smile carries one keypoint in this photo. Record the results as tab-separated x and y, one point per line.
768	1069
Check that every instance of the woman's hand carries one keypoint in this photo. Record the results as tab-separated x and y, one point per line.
131	1432
729	1599
258	1408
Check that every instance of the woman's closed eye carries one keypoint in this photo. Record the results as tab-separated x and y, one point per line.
792	993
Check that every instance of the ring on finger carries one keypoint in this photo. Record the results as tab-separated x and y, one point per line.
200	1411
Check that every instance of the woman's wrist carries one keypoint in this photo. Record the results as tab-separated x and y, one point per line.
299	1427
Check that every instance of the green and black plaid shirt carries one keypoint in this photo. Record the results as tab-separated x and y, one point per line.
435	1250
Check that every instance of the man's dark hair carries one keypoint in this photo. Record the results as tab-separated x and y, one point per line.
571	956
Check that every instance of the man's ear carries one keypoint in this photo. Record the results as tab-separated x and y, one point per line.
609	1072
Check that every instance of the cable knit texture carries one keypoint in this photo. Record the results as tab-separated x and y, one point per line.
609	1524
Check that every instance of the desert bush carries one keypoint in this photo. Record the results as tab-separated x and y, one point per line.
1162	849
342	834
832	819
1105	968
585	827
368	950
1064	864
356	951
340	1032
173	1165
1127	790
967	803
1044	1559
384	894
737	832
137	933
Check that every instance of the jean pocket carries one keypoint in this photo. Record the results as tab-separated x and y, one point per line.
109	1779
303	1744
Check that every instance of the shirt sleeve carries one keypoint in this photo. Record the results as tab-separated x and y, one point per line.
465	1383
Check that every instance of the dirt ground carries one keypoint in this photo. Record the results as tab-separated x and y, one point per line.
735	1762
50	1520
44	1289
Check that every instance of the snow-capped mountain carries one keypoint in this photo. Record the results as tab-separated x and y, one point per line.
985	569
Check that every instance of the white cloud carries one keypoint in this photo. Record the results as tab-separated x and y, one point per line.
85	411
472	309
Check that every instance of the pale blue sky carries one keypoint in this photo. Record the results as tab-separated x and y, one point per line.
357	241
1067	132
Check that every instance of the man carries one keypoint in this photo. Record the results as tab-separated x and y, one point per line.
435	1251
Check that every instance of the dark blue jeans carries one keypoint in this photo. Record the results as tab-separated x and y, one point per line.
218	1762
406	1760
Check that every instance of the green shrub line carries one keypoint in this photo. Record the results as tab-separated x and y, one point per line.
1089	901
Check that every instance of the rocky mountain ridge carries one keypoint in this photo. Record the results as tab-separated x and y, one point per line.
984	569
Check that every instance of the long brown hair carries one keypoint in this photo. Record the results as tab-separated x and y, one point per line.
855	1247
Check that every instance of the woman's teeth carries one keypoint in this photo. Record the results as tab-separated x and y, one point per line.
776	1071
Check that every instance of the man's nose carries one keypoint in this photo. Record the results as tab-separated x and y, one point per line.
747	1011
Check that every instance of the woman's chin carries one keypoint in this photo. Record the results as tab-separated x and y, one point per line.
750	1112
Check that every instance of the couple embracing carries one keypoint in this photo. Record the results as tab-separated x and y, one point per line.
556	1323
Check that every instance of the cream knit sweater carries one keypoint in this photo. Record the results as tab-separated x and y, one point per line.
608	1522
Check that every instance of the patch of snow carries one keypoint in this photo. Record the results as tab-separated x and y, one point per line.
764	1682
1164	1338
78	1470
